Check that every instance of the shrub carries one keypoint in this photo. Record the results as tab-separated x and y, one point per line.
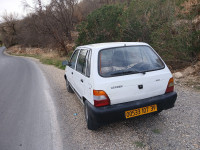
102	25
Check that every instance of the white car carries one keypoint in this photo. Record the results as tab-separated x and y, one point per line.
119	80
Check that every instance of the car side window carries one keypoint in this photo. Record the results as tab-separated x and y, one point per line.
81	62
88	61
73	59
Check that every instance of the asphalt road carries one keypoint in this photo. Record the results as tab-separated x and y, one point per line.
27	113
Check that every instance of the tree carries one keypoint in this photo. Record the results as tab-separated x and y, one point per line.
55	20
8	29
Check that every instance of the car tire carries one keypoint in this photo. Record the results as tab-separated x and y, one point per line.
69	89
91	124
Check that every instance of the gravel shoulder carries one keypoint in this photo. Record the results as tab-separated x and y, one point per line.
177	128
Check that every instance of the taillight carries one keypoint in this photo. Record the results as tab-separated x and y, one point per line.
100	98
170	86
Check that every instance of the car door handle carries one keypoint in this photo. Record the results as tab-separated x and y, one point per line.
72	72
82	80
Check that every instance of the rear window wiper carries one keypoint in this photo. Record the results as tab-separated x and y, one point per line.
126	73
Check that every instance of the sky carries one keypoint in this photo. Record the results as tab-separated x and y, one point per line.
16	6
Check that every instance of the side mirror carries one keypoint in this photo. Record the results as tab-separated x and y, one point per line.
65	63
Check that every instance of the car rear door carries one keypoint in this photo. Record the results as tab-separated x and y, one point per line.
88	92
79	74
132	73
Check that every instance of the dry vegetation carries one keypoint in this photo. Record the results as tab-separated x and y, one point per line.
45	55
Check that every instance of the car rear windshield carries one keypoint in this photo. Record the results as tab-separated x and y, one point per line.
128	60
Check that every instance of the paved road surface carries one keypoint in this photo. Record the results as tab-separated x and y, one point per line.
27	112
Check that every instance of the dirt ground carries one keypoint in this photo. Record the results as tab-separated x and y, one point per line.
189	77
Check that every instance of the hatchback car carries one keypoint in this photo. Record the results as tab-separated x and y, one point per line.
119	80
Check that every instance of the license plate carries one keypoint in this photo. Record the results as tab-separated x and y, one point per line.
140	111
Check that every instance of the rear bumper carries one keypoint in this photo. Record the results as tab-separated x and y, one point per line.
117	111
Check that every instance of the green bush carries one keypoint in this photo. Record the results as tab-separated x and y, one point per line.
102	25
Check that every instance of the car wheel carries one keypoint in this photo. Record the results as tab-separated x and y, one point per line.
91	124
69	89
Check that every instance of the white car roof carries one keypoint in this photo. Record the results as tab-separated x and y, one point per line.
111	44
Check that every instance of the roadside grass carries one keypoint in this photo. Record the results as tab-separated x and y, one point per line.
197	87
193	82
156	131
139	144
55	61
